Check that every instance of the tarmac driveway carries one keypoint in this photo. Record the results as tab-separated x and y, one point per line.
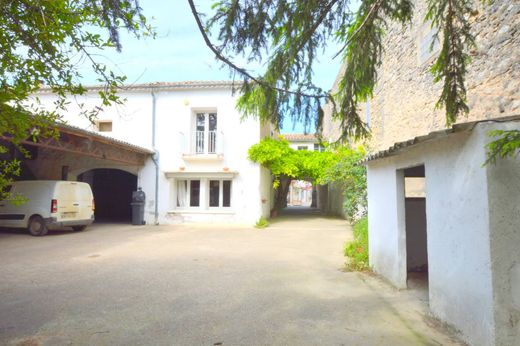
201	285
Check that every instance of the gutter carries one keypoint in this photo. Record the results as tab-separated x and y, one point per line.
155	158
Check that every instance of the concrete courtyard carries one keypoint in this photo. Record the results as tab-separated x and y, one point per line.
202	285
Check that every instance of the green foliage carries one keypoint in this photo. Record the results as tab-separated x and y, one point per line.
357	250
507	144
262	223
336	165
287	35
283	161
350	177
452	17
44	43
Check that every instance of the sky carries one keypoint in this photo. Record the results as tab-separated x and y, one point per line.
178	53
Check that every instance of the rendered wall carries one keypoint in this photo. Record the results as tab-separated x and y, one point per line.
458	239
386	238
504	210
174	111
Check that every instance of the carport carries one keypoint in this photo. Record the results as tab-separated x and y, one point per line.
109	165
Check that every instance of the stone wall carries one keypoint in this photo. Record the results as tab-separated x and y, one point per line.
404	99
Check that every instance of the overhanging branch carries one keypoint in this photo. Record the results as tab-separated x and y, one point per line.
243	71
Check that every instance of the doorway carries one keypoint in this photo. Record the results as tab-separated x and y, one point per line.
416	228
112	190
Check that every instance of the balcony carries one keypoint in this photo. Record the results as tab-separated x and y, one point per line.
202	145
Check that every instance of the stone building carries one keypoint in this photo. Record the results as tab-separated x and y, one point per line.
435	211
403	105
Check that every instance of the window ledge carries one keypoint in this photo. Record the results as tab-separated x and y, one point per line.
203	157
201	211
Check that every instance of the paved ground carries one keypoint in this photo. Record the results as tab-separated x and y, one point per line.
200	285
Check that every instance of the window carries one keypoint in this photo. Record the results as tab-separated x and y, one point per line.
302	147
220	193
104	126
318	147
226	198
187	196
205	133
214	193
190	193
428	43
194	193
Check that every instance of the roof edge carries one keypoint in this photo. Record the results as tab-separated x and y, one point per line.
161	86
398	147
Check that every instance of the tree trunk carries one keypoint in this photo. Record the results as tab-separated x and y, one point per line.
280	200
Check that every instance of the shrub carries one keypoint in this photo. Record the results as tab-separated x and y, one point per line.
357	250
262	223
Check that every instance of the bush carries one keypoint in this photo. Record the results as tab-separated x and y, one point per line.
357	250
262	223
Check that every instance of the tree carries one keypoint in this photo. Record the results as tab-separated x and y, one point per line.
506	144
288	35
44	44
339	165
287	164
350	177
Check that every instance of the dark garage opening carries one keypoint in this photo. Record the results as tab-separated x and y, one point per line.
112	190
416	234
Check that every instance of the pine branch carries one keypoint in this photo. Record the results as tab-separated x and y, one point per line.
240	70
451	64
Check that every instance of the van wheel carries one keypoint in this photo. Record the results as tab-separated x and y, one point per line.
37	226
79	228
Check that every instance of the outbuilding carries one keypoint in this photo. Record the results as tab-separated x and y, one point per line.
435	208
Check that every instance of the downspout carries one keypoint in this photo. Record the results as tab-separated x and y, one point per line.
155	159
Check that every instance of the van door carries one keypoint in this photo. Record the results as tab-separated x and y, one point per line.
65	196
84	199
10	215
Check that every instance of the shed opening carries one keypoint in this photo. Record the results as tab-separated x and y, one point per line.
416	229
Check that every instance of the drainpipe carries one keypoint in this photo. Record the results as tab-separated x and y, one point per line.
155	159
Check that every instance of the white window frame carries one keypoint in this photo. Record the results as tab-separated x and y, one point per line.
425	37
188	193
220	193
206	149
204	197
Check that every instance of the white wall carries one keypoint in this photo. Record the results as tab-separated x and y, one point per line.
386	239
457	209
504	211
307	144
174	111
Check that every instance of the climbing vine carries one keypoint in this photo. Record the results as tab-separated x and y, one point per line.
337	165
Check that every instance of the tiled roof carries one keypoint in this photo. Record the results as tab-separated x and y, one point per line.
79	131
400	146
157	86
299	137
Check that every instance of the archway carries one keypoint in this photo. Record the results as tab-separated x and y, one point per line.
112	190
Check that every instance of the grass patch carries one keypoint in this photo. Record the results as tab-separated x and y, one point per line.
357	250
262	223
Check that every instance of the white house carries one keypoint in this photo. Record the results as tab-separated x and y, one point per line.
199	171
301	192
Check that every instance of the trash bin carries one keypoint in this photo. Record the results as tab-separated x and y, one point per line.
138	200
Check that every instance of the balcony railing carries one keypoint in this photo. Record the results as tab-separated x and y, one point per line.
205	142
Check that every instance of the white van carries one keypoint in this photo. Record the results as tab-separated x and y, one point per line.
48	204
